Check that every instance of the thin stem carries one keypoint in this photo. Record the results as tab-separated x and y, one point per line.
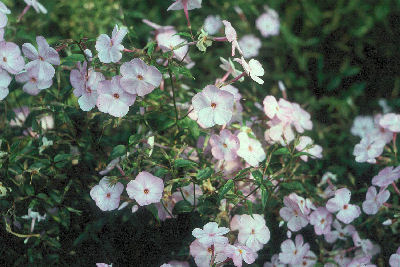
23	12
174	99
235	79
396	189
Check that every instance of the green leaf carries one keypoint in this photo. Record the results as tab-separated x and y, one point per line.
264	197
186	34
281	151
134	139
29	190
153	209
295	185
182	163
205	173
73	59
182	206
258	176
150	48
226	188
118	151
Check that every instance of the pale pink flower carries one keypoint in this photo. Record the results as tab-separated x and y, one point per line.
110	49
361	262
253	69
212	24
231	35
35	216
103	265
340	232
113	99
368	149
43	58
253	232
275	262
213	106
394	260
166	265
164	209
362	125
145	189
179	263
1	34
139	78
179	4
224	146
5	80
268	23
33	84
292	214
386	176
347	212
250	149
250	45
39	8
271	107
301	119
202	253
306	144
211	234
309	260
85	83
367	247
20	116
322	220
107	196
293	253
374	201
3	12
10	57
279	132
168	40
391	122
191	194
239	253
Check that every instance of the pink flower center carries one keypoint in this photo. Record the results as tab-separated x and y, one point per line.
140	77
322	221
146	191
33	80
4	59
240	251
108	195
225	145
213	105
210	250
41	58
250	148
304	263
345	207
89	90
116	95
253	231
295	252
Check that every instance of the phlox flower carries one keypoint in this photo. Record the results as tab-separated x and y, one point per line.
85	82
178	263
368	149
166	265
253	232
309	260
231	35
39	8
390	122
168	40
361	262
367	247
322	220
1	35
103	265
301	118
164	209
5	80
250	45
224	146
347	212
107	196
275	262
31	77
394	260
292	214
139	78
212	24
362	125
202	253
253	69
213	106
279	132
34	216
113	99
43	58
268	23
237	106
3	12
191	194
250	149
340	232
109	49
239	253
180	4
386	176
375	200
211	234
293	252
20	116
10	57
306	145
145	189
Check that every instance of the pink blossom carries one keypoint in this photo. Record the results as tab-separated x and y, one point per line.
165	208
168	40
224	146
213	106
39	8
139	78
85	83
250	45
20	116
166	265
43	58
211	234
33	84
250	149
103	265
386	176
107	196
179	263
361	262
293	253
340	232
306	145
292	214
271	107
1	34
390	122
362	125
113	99
253	232
10	57
212	24
145	189
239	253
347	212
5	81
374	201
110	49
191	194
275	262
366	245
231	35
202	253
279	132
394	260
301	118
179	4
268	23
368	149
309	260
322	220
3	12
253	69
